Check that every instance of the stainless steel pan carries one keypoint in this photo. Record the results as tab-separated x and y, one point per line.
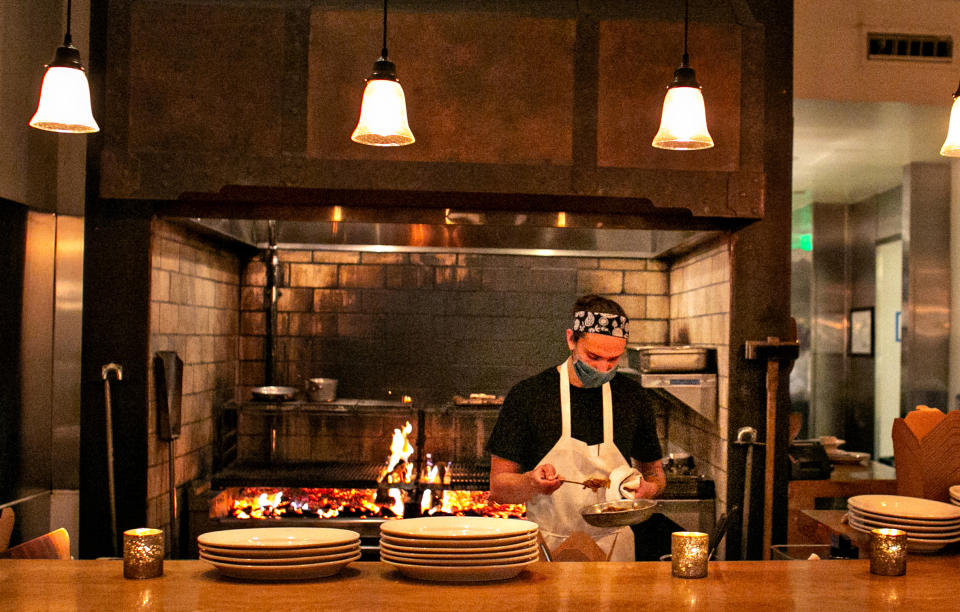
274	394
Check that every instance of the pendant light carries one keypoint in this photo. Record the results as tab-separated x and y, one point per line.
383	111
64	104
951	146
683	125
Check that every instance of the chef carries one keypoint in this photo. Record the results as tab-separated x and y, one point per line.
578	421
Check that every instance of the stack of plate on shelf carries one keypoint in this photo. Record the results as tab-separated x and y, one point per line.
280	553
459	548
930	525
955	495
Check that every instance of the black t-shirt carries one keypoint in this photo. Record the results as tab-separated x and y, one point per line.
529	423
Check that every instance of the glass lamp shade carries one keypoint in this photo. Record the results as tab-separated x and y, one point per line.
383	116
683	124
951	146
64	102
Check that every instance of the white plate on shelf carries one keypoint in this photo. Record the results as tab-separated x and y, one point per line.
278	537
899	506
918	530
909	530
915	545
281	560
476	573
279	553
467	543
904	521
304	571
457	527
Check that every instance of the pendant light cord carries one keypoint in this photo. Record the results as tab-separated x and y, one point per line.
383	51
686	14
67	40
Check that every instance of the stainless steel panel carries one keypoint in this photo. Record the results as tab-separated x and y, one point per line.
489	232
829	300
65	384
37	338
692	514
926	278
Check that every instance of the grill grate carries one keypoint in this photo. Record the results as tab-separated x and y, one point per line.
468	476
341	475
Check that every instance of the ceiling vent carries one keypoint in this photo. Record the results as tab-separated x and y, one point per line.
909	47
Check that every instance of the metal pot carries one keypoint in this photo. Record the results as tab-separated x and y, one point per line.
321	389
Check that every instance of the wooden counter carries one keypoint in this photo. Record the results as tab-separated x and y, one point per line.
194	585
845	481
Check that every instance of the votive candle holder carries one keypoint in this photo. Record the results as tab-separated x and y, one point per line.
888	552
142	553
688	554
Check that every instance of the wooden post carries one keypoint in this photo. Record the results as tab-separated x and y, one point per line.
773	381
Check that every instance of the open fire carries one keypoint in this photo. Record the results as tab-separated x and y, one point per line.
261	503
383	502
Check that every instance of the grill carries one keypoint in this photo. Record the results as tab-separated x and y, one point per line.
688	499
238	475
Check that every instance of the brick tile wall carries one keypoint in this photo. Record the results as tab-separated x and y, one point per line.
432	325
195	308
699	304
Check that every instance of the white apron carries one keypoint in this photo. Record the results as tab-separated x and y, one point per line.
558	515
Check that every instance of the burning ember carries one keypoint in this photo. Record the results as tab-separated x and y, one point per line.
258	503
468	503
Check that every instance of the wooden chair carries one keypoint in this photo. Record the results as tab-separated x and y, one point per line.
6	527
53	545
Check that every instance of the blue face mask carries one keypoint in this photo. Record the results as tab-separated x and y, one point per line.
591	377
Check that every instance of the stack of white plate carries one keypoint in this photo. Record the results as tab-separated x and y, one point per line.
280	553
930	525
459	548
955	495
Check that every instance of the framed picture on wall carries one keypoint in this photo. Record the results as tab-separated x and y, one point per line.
861	331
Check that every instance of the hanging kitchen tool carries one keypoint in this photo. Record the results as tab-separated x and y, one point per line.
773	350
111	480
168	381
746	436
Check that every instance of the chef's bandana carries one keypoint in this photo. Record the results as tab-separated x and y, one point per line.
601	323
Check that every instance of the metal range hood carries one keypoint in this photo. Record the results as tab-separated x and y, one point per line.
468	232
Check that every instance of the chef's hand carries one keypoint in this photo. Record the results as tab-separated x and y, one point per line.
544	479
639	488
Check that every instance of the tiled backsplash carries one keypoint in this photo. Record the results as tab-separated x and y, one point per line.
433	325
700	314
194	311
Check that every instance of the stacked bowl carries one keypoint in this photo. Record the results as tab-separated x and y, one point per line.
280	553
930	525
455	548
955	495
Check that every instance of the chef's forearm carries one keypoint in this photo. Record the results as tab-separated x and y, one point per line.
512	487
